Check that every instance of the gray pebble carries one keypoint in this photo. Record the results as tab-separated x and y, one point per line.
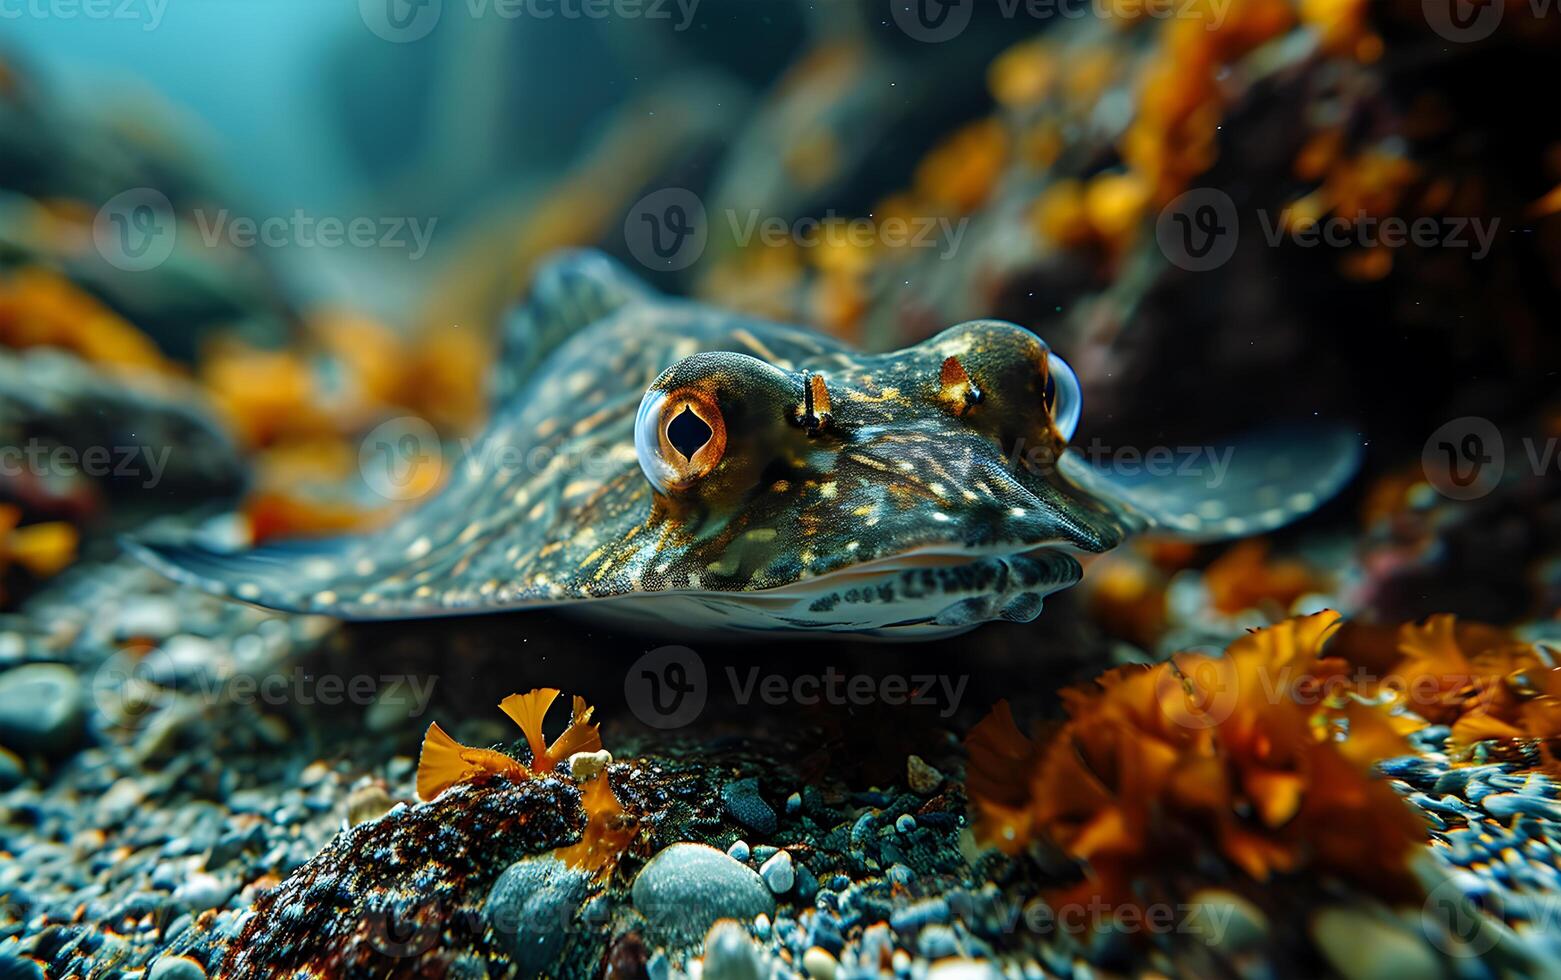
730	954
201	892
175	968
686	887
531	908
778	873
40	708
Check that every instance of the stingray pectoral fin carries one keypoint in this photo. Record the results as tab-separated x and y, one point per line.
570	291
293	576
1239	487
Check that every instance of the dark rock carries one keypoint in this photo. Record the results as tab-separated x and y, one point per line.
744	804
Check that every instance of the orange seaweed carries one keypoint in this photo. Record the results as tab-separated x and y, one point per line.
1237	753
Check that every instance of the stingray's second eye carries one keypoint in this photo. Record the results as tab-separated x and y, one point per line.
1063	399
679	437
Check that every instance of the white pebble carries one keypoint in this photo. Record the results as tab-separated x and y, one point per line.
779	873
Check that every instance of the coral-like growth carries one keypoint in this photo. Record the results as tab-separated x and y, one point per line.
528	710
1242	756
608	830
1481	682
445	762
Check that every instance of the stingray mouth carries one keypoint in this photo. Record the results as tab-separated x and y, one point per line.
925	592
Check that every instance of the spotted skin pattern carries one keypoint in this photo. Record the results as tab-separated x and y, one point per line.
893	495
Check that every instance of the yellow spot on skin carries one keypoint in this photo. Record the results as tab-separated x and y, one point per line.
326	598
853	545
248	590
537	511
761	534
522	496
780	486
580	487
364	567
470	533
419	548
827	490
368	598
1017	512
546	427
939	516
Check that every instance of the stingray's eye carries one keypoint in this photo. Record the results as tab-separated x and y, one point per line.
679	437
1063	399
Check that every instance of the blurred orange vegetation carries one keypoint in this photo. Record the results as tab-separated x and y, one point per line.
40	308
346	373
1126	589
1236	756
609	830
1246	577
303	408
43	549
1483	683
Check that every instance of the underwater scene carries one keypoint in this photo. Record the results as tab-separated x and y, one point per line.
758	489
